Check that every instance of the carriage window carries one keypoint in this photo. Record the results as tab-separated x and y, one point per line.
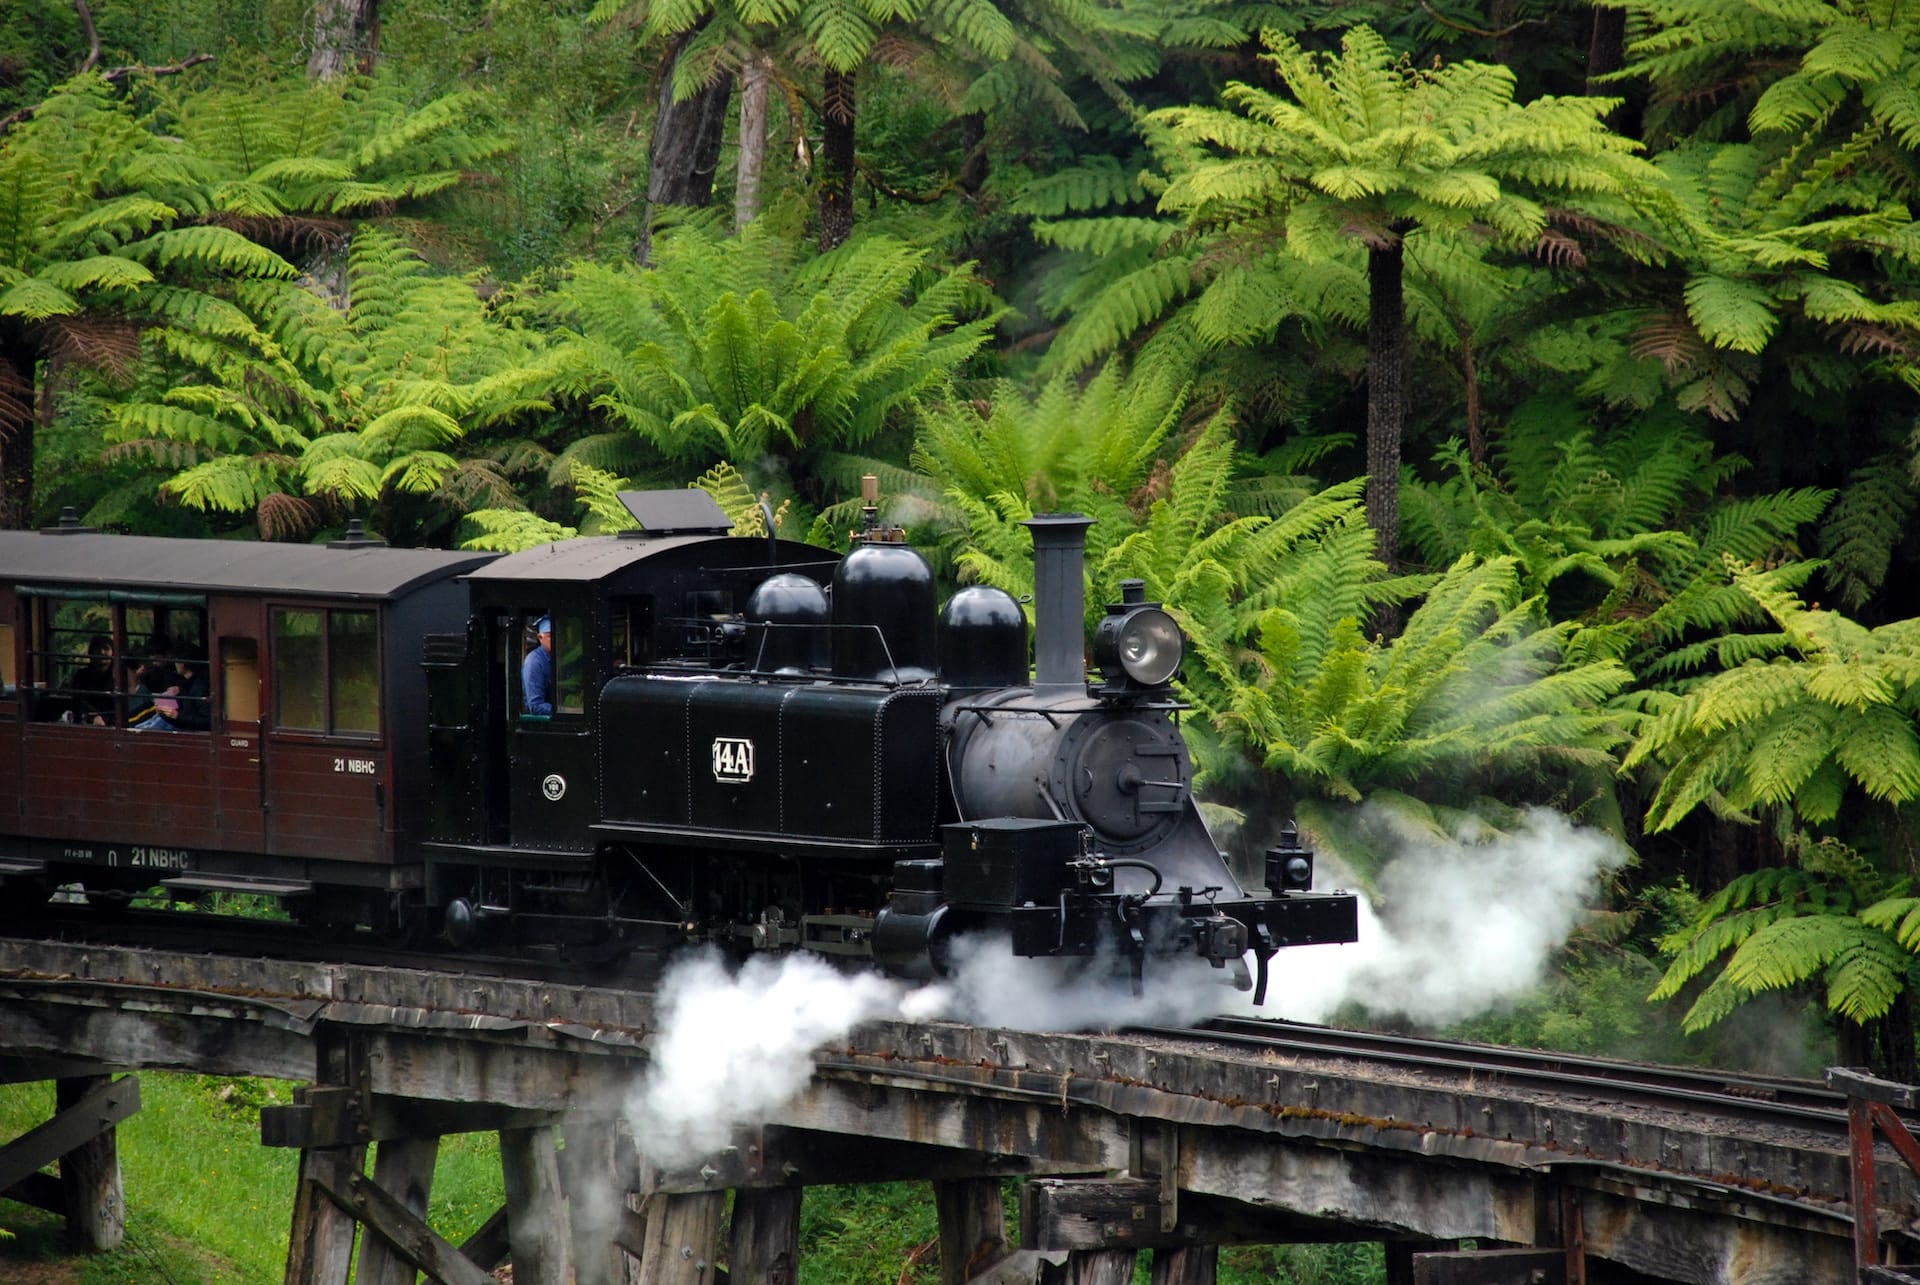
6	661
70	664
326	671
299	671
353	668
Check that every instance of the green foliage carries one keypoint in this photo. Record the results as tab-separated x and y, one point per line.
1831	709
1369	144
355	148
1478	694
293	411
1831	918
728	350
1823	65
1867	522
1624	533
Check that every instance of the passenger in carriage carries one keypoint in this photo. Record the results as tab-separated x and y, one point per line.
176	691
91	685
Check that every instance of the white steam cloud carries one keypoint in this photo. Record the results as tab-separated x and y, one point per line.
1463	927
733	1047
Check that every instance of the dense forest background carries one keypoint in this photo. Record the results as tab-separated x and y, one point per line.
1515	400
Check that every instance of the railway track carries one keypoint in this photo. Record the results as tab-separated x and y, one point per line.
1766	1100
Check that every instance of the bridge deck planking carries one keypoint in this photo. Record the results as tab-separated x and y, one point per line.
1318	1151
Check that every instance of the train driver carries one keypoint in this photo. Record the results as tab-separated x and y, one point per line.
536	671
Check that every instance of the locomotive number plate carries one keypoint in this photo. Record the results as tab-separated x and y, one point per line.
732	759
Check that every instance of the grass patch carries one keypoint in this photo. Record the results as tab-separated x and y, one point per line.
206	1203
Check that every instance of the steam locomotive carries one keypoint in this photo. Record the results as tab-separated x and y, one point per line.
754	742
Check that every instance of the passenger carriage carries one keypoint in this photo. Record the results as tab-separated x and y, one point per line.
309	781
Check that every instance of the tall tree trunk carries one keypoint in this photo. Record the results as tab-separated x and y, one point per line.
1606	53
755	80
1386	392
973	152
836	155
19	415
686	145
346	36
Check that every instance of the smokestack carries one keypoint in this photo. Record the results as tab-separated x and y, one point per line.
1059	599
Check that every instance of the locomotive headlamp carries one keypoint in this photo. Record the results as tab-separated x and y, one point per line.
1289	865
1138	644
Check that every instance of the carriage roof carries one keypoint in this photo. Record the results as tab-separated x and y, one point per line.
165	564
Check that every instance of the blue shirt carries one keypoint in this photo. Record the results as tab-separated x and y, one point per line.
536	681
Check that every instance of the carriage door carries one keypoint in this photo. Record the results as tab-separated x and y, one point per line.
239	763
550	769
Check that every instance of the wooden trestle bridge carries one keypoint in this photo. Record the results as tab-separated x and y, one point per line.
1129	1143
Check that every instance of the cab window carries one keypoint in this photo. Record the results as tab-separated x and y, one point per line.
567	661
631	632
326	671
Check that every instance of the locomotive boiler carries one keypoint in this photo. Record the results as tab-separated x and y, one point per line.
757	743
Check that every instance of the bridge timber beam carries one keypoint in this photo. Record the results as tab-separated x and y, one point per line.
1234	1145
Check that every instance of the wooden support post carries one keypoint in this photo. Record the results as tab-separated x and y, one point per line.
320	1245
1097	1267
596	1203
1573	1236
1400	1257
487	1248
973	1228
681	1234
403	1168
765	1247
1869	1106
90	1175
1193	1265
80	1136
339	1182
536	1222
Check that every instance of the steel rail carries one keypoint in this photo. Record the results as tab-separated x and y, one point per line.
1763	1099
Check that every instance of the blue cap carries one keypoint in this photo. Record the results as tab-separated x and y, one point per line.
544	625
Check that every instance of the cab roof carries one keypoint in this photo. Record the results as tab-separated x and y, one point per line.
593	558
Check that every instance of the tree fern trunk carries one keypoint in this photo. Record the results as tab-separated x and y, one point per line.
18	418
973	152
1386	392
755	80
1606	53
685	147
346	37
1896	1041
836	155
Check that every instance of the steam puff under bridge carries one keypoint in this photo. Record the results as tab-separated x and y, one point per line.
1131	1142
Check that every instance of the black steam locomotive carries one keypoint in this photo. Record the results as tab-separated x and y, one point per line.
755	742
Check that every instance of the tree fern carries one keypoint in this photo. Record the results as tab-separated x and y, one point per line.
1839	698
727	350
1831	918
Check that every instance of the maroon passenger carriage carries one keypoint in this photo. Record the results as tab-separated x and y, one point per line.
310	781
